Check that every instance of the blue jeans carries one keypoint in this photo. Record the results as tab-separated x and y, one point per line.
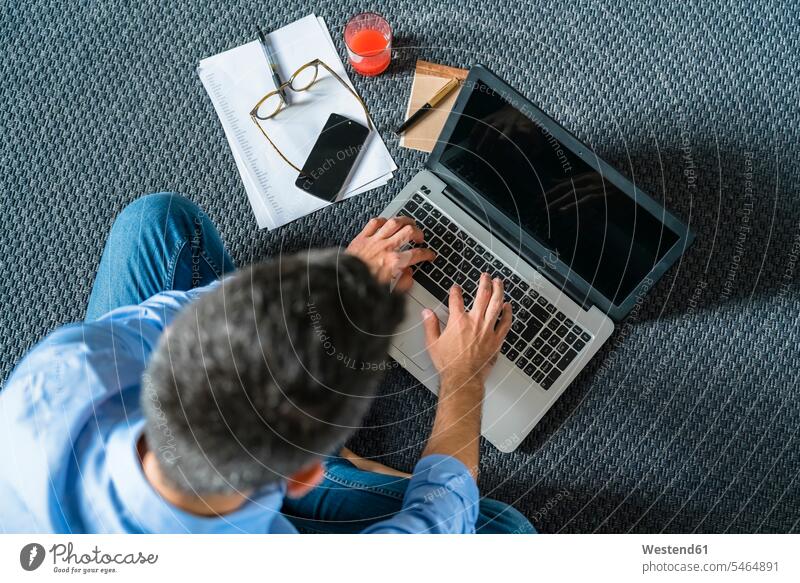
349	500
159	242
163	242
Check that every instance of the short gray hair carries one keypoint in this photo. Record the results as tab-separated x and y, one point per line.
274	368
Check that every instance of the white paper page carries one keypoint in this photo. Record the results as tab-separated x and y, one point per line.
238	78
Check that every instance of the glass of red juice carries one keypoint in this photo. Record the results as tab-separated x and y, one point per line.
369	43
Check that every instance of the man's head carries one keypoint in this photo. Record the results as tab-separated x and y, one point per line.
267	373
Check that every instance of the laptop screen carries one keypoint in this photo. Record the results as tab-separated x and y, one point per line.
598	231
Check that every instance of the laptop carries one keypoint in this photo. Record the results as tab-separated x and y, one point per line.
510	192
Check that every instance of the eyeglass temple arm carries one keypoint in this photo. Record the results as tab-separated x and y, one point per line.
271	143
353	93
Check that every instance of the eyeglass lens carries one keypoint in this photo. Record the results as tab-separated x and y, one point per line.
269	107
304	78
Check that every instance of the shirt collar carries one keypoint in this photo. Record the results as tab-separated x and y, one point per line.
147	509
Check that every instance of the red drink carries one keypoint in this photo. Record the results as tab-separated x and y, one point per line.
369	43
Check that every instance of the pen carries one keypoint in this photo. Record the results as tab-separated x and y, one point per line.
432	102
266	46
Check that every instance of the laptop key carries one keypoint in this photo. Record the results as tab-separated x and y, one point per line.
539	312
512	354
548	381
530	370
566	359
532	328
429	284
538	376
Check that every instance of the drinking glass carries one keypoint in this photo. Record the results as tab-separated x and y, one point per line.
369	43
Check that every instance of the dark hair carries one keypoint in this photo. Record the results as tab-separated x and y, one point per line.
274	368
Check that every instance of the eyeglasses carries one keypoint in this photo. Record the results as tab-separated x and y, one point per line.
273	102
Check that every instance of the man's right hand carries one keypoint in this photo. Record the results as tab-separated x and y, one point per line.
467	348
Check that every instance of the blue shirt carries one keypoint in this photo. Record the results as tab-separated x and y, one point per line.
69	424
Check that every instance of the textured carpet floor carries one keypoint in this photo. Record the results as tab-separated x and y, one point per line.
687	421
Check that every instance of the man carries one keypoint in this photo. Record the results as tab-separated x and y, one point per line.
188	404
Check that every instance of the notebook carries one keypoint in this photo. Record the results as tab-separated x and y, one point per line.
428	79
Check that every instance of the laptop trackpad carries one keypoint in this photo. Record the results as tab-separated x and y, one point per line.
410	339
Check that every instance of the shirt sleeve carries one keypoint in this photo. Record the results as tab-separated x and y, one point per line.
56	390
442	498
99	357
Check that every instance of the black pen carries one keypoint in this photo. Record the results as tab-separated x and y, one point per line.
266	46
432	102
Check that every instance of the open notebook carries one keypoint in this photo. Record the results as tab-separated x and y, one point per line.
236	79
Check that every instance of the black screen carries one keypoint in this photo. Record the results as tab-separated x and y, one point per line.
332	158
600	232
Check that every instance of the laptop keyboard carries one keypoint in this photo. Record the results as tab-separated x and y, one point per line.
542	341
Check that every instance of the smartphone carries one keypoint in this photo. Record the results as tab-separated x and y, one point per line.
332	158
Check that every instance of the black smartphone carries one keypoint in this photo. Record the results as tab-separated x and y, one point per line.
332	158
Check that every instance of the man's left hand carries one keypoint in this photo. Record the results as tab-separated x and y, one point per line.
379	245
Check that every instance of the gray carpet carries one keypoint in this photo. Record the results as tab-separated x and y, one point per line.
687	421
